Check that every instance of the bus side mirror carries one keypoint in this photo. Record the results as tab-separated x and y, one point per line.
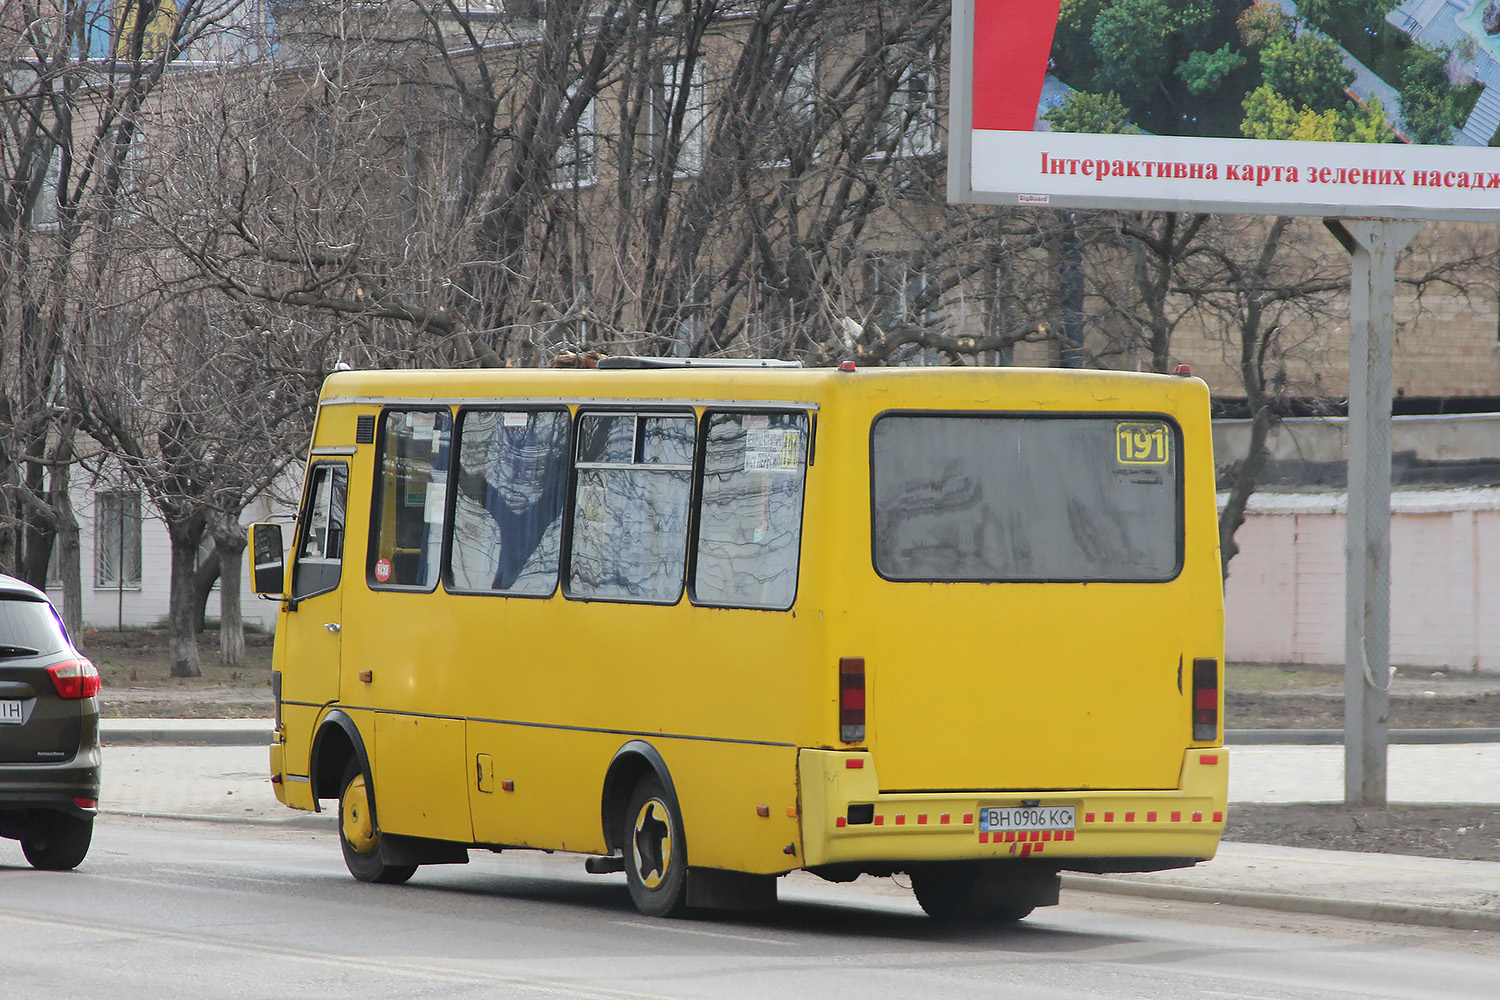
268	576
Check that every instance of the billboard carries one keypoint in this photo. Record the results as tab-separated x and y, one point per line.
1354	108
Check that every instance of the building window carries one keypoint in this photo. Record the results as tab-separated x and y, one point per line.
678	142
44	214
791	133
577	153
909	122
900	291
117	540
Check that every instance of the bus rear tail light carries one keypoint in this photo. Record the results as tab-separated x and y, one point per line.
852	699
74	679
1205	699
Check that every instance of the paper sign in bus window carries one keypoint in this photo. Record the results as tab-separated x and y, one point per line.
1143	443
772	449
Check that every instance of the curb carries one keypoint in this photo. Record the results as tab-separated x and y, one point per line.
320	822
185	732
1352	909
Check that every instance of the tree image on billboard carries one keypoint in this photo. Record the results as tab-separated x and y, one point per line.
1386	107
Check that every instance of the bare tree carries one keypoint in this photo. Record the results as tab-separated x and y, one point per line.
73	82
726	177
203	410
1262	293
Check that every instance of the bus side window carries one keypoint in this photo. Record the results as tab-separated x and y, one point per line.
411	498
512	479
750	509
630	506
320	552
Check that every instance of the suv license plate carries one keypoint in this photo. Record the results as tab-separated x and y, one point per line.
1026	818
11	712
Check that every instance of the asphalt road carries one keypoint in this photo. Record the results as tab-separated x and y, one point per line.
166	909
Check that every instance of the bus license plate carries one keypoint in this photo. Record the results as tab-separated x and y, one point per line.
10	712
1026	818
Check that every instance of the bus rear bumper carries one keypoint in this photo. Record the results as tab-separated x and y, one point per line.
846	820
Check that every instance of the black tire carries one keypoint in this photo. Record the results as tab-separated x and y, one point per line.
948	893
58	843
359	836
655	851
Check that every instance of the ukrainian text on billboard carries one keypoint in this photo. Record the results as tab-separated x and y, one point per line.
1320	106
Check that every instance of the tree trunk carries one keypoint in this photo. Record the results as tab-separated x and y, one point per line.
69	550
1246	476
204	578
182	638
230	542
38	530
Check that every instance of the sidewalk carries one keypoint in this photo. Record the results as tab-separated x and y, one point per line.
228	783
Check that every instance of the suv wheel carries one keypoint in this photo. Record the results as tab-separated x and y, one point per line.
59	842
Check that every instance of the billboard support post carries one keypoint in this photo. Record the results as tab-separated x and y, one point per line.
1372	245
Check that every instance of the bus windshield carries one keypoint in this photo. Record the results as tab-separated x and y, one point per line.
1026	498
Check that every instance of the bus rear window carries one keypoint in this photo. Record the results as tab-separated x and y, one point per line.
1026	499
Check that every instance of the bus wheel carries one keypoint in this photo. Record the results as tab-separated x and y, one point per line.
358	835
655	853
948	892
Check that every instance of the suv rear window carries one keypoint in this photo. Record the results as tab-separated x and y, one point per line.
32	624
1026	498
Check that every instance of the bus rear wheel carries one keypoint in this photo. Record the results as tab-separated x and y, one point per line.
950	892
360	837
655	852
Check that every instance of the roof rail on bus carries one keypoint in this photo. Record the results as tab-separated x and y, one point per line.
625	361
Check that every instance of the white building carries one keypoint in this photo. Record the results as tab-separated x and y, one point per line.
126	560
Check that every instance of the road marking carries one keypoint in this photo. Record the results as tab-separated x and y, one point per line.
699	932
425	972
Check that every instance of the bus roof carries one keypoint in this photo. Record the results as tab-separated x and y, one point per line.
1004	387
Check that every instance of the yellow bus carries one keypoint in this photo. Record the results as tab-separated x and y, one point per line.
710	624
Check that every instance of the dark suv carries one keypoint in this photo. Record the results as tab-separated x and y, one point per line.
49	732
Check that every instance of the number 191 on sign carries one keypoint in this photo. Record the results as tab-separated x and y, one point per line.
1142	443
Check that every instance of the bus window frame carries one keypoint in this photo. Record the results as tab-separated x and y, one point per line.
700	477
377	485
638	409
1179	485
450	519
334	468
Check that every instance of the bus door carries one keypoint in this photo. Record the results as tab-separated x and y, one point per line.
312	629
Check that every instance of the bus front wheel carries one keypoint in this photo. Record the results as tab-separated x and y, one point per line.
655	852
360	837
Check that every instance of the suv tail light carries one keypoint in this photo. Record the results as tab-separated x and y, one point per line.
1205	699
852	699
74	679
